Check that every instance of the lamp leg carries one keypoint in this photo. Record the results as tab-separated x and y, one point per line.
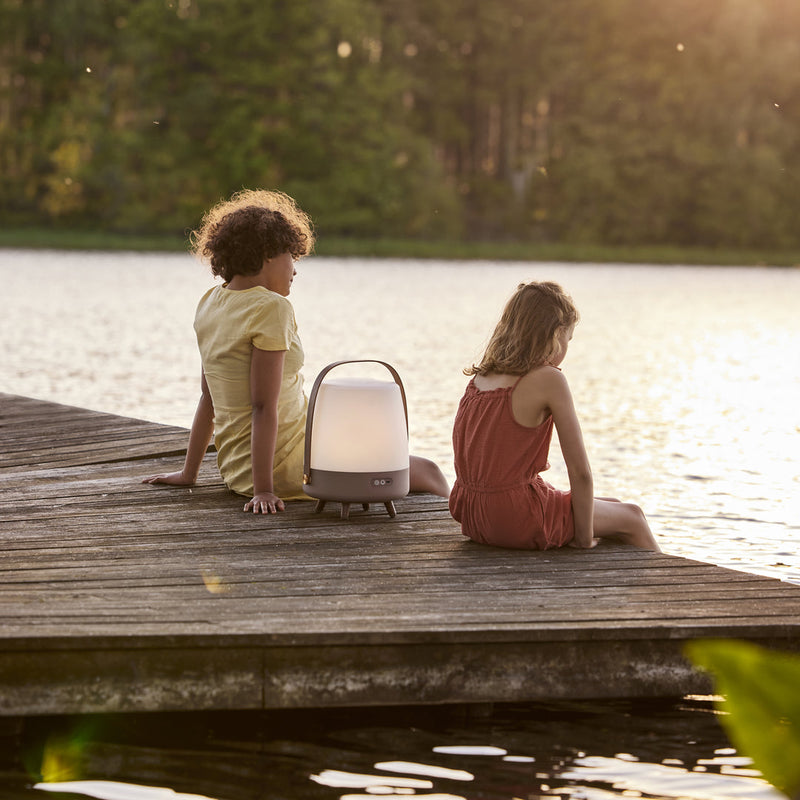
345	511
320	505
390	508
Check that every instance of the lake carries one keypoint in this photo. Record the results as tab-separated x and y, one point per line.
687	383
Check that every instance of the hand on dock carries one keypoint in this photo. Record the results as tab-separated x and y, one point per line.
593	543
265	503
170	478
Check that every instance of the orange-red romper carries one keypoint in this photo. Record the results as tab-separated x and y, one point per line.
498	496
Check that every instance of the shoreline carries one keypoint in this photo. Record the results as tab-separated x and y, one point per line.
46	239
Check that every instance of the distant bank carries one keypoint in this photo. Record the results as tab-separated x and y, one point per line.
410	248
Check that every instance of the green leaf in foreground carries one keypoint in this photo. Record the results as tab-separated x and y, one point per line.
762	691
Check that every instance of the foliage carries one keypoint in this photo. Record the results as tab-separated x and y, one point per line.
621	122
763	704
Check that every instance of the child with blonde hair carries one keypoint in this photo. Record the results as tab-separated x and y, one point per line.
502	432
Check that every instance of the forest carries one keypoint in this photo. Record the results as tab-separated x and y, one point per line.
600	121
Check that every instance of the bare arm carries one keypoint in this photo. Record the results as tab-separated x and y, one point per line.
266	372
559	399
199	438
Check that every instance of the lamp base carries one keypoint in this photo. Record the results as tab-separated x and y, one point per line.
345	512
357	487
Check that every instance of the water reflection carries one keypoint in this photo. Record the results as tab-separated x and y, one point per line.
470	750
376	784
113	790
412	768
567	750
635	779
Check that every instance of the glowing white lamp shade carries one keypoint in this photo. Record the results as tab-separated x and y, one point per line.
356	448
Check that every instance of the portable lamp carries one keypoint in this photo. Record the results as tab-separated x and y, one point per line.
356	448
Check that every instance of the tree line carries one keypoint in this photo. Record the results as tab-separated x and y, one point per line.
598	121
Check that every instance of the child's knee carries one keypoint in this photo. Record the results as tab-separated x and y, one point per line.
636	510
635	515
426	476
419	468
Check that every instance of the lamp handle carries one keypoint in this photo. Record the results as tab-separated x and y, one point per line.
312	401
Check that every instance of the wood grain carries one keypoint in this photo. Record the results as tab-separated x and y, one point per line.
121	596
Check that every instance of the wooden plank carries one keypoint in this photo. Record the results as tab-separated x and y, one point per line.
356	674
35	433
120	596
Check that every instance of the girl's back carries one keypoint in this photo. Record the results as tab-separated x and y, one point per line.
498	496
529	404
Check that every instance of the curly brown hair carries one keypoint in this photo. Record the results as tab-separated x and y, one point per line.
525	336
236	235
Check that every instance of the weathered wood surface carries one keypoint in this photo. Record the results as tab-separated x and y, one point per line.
120	596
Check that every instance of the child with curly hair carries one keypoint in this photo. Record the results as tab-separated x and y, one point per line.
252	397
502	432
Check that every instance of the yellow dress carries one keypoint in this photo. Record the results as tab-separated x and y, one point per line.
229	324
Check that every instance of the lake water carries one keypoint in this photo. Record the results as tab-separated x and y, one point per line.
687	383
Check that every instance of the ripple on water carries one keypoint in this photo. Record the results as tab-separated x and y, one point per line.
567	749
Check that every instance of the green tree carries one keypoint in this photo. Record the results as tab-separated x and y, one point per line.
233	93
621	121
48	102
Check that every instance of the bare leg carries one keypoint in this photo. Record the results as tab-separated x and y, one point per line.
425	476
624	522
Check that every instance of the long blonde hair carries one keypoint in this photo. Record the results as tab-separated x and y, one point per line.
525	337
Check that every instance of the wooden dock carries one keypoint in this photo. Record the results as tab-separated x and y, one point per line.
118	596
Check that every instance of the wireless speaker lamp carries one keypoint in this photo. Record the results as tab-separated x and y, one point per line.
356	447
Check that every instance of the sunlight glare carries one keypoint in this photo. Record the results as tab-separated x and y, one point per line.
425	769
350	780
470	750
697	784
114	790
